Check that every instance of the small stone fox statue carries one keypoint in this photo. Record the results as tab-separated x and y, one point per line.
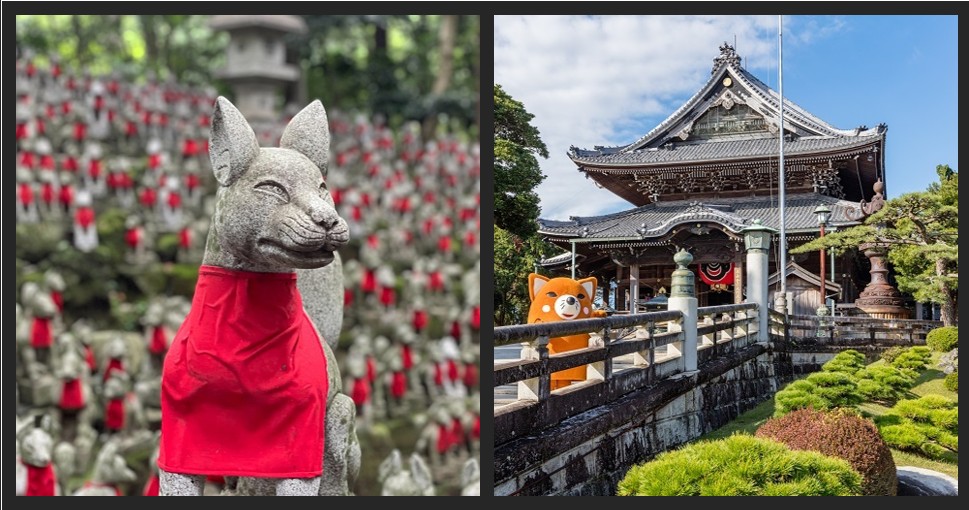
249	386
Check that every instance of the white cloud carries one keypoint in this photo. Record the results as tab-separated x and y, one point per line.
592	80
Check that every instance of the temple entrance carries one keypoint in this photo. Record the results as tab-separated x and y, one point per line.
722	295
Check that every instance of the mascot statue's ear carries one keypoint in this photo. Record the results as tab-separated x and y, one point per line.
589	284
535	283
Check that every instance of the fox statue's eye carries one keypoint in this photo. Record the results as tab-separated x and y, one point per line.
273	188
581	296
552	294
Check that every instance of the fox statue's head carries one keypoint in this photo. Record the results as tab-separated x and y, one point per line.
273	211
559	299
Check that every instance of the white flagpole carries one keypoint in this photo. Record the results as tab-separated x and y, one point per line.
782	269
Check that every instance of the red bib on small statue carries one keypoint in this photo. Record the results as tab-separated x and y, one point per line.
40	480
244	385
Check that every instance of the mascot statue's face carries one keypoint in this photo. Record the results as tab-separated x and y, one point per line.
559	299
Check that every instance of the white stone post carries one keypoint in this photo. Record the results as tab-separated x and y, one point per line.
634	288
528	389
757	240
596	371
683	298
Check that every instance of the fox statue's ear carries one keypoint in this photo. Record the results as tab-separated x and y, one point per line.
589	284
420	472
535	284
308	133
390	466
232	143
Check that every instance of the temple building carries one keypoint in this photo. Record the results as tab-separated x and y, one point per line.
708	171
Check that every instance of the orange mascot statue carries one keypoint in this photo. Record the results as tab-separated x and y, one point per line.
563	299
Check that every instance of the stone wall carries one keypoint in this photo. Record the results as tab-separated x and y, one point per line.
589	453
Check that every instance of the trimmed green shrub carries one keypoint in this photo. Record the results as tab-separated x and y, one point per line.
741	465
928	425
847	362
883	383
943	339
913	360
951	382
841	434
891	353
820	390
798	395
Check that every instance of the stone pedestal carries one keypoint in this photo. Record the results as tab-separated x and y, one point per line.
879	299
683	298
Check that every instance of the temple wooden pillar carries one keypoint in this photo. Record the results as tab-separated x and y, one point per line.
738	278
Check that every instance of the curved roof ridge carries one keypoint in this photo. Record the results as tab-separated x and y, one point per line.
770	97
676	115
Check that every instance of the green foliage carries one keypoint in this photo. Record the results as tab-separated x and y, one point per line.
847	362
928	425
883	383
891	353
952	382
839	434
921	231
517	145
183	279
395	65
799	394
846	382
943	339
514	260
820	390
837	388
178	46
913	360
167	247
391	64
36	241
740	465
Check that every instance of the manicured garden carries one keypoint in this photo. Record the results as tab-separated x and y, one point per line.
901	410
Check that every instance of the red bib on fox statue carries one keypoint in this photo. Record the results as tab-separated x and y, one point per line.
563	299
242	392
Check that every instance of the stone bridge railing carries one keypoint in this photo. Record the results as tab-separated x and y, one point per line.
848	331
537	407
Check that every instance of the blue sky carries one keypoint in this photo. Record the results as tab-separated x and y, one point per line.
608	80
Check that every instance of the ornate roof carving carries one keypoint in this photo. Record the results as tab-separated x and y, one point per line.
728	56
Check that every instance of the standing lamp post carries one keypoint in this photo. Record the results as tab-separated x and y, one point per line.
823	213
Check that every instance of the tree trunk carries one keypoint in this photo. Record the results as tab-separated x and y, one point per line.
167	50
948	313
446	38
80	37
445	70
151	40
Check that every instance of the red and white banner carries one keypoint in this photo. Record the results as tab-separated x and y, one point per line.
715	272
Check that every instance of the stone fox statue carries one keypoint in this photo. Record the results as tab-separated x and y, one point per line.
563	299
250	389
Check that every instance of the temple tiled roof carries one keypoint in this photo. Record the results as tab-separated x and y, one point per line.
811	133
721	150
657	219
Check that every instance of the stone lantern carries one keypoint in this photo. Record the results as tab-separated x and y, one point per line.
758	236
256	65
